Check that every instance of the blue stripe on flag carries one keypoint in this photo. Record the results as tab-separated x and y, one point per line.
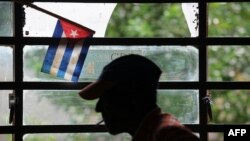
50	54
80	62
65	60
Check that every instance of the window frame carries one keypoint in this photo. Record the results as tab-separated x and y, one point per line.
201	42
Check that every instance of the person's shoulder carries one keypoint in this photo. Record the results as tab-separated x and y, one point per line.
175	133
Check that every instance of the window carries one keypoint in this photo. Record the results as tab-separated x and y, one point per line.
214	64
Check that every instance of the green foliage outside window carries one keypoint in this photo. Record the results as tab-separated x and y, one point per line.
147	20
229	63
225	19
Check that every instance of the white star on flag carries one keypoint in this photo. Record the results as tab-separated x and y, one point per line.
74	33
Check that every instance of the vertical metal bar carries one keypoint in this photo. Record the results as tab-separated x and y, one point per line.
203	67
18	70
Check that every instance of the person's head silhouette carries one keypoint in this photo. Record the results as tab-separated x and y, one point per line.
126	90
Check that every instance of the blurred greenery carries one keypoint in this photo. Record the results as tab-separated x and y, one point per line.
225	19
233	65
231	106
225	63
147	20
229	19
229	63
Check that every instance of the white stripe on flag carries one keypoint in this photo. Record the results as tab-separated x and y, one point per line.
73	60
58	56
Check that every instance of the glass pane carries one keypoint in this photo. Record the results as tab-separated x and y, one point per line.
92	15
134	20
176	62
229	19
77	137
5	137
231	106
213	136
57	107
233	65
45	107
6	63
6	19
4	107
184	104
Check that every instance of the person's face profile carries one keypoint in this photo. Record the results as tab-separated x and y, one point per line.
112	101
115	110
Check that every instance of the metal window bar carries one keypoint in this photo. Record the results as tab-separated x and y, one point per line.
18	129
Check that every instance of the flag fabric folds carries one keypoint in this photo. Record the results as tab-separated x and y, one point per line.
65	60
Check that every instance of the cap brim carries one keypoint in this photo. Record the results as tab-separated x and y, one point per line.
95	89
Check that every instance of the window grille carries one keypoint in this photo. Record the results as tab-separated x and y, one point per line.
18	85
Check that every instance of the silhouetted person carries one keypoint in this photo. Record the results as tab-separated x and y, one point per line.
126	90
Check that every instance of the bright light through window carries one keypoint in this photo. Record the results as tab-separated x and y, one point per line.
92	15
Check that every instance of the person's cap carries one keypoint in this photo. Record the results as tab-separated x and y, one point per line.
132	68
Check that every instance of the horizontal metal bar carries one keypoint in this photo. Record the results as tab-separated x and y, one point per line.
227	41
162	85
210	1
64	129
102	41
7	129
115	1
97	129
227	85
132	41
134	1
42	85
204	85
52	129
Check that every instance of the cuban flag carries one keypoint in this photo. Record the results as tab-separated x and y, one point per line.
65	60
